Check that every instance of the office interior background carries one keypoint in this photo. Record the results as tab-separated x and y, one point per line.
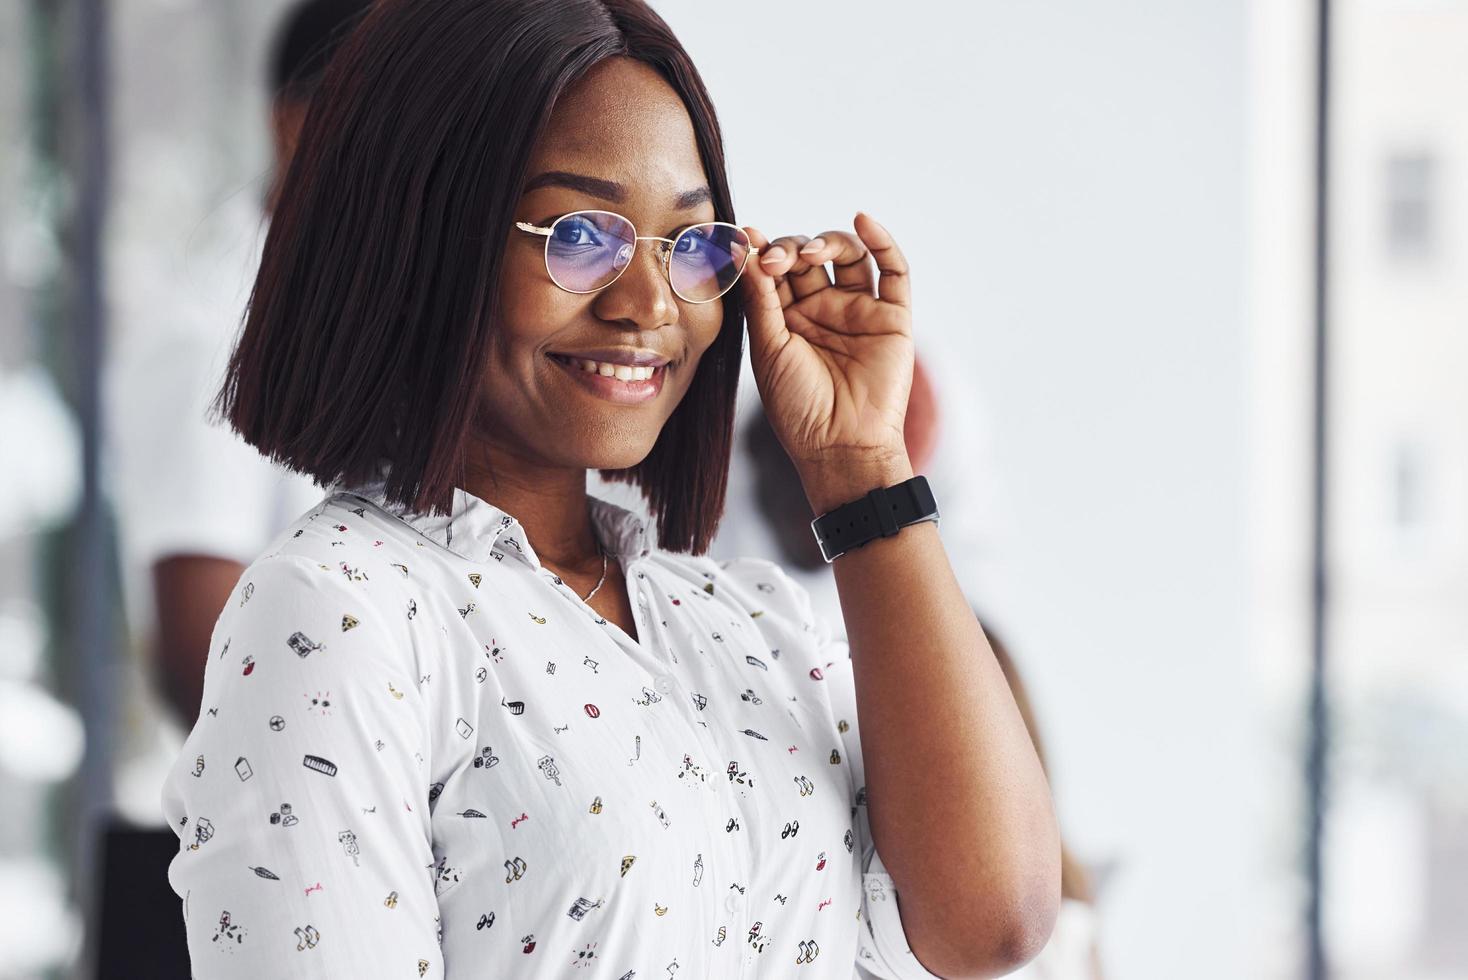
1111	214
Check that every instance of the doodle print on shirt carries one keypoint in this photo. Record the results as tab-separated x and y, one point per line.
550	796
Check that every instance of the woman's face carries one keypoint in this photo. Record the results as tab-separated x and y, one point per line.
625	134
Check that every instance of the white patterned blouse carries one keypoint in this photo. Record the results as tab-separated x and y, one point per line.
420	754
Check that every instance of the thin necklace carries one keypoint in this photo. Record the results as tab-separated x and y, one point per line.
603	573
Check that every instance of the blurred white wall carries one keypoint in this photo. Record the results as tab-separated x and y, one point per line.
1068	181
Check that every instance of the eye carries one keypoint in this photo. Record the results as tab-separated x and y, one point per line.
577	230
694	241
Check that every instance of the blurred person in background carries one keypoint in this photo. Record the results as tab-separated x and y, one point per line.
776	502
193	501
1073	952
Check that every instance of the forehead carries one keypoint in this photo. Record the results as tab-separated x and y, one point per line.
621	121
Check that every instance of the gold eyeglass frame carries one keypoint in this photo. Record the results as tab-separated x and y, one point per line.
534	229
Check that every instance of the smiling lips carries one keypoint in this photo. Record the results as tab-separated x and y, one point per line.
622	383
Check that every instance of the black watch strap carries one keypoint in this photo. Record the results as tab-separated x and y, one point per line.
880	514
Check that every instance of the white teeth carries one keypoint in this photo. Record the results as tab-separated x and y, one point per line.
622	372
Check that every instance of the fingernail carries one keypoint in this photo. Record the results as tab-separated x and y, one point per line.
774	254
814	245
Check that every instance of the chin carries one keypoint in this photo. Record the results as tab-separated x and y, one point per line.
604	461
622	456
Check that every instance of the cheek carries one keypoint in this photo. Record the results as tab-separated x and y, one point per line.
520	292
704	324
532	310
703	329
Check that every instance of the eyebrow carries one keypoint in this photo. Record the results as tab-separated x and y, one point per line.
610	190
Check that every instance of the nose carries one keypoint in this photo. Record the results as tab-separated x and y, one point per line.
642	294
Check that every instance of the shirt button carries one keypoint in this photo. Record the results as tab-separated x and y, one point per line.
664	684
732	902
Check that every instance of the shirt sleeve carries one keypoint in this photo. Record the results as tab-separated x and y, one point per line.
882	949
302	816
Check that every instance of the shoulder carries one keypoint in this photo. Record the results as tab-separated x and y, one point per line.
289	602
756	589
338	530
320	556
769	587
732	578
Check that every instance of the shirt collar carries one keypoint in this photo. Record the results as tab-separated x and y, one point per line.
479	531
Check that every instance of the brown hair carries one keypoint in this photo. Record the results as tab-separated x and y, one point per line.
1075	883
379	284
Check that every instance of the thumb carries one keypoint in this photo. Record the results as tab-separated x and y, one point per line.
766	316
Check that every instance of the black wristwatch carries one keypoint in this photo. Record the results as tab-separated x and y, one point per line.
880	514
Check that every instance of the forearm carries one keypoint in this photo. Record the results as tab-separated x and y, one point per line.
189	593
959	806
181	681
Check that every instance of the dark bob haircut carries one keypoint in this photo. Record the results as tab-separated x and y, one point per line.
379	286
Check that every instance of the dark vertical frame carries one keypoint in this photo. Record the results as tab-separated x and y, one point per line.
91	606
1319	727
80	577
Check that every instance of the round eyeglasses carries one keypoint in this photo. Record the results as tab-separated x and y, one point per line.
588	250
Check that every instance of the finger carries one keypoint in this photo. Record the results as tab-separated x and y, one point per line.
783	255
804	276
764	309
893	282
854	271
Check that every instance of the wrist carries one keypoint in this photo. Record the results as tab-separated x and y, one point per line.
842	479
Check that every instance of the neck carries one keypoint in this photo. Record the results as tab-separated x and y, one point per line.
549	502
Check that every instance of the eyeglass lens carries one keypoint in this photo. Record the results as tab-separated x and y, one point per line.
589	249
